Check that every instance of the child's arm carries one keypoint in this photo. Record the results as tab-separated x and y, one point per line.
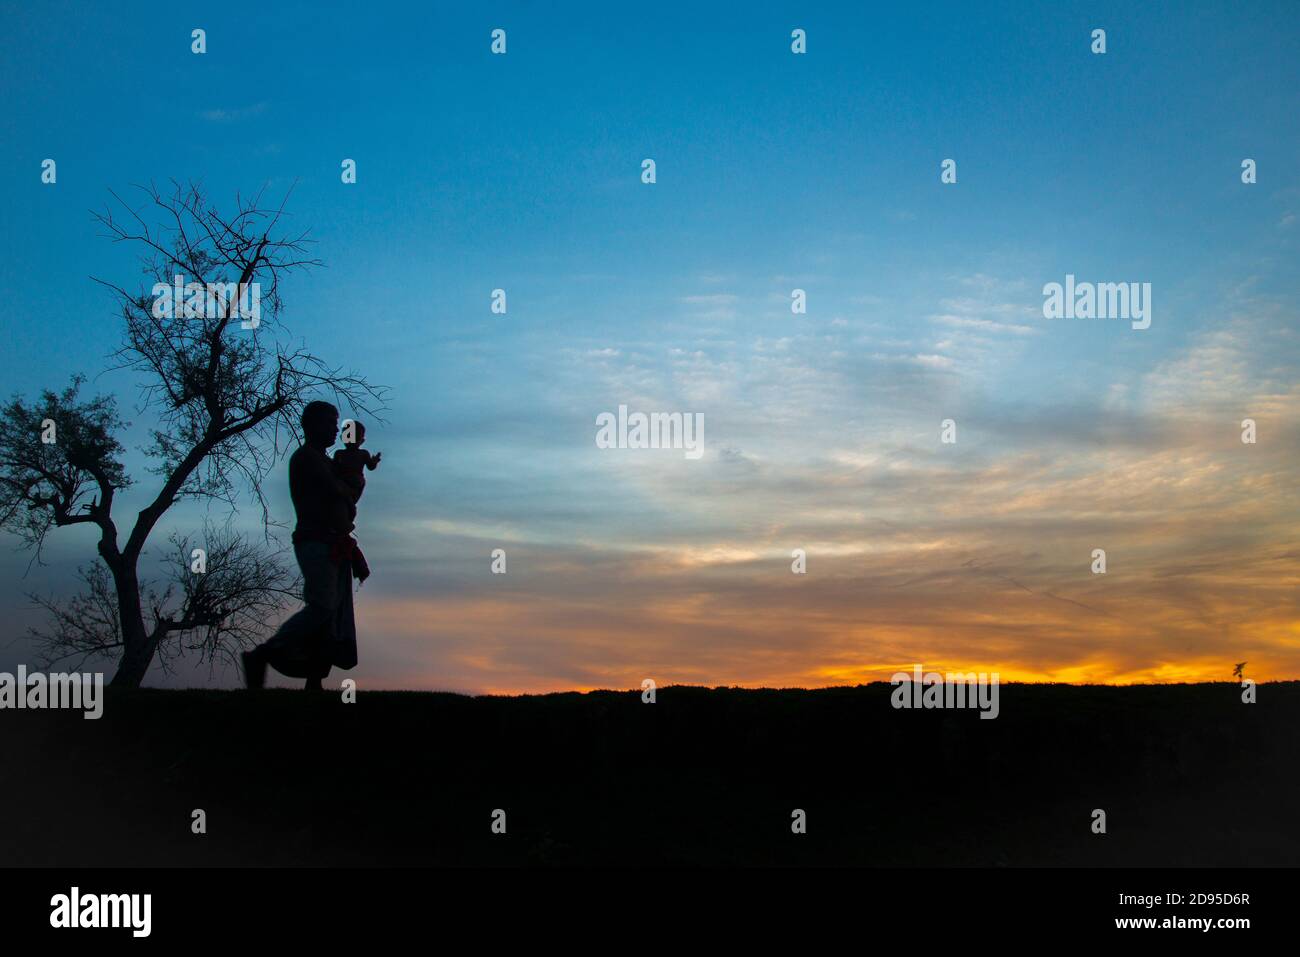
373	462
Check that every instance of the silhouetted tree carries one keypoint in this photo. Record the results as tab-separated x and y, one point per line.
227	392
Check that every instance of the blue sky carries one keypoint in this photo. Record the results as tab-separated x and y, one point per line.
775	171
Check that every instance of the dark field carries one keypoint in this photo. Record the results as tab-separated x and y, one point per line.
1187	774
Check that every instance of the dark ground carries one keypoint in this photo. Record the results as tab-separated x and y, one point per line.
1187	774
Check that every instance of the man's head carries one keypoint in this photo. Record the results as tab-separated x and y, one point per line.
320	423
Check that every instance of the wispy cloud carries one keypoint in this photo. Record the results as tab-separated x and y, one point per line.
234	114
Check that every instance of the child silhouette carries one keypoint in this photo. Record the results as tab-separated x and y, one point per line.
351	461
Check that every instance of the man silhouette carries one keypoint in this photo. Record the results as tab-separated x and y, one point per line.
323	633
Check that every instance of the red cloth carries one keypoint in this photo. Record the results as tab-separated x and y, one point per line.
346	549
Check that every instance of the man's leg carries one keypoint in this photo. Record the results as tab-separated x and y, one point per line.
320	646
320	660
254	669
295	649
292	649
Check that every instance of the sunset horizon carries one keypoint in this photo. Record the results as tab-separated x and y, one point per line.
866	334
717	466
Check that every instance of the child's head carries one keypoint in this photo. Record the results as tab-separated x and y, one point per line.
358	434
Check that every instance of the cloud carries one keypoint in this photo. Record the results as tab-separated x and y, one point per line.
928	361
714	299
233	115
985	325
974	556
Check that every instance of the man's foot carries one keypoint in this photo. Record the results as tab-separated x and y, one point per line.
254	669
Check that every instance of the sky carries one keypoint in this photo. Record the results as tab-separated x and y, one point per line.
775	171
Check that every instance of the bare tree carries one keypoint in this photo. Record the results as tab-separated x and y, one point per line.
227	392
220	591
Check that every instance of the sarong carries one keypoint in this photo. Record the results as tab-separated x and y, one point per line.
323	634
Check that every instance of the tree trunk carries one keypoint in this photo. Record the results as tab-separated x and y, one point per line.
138	645
135	663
